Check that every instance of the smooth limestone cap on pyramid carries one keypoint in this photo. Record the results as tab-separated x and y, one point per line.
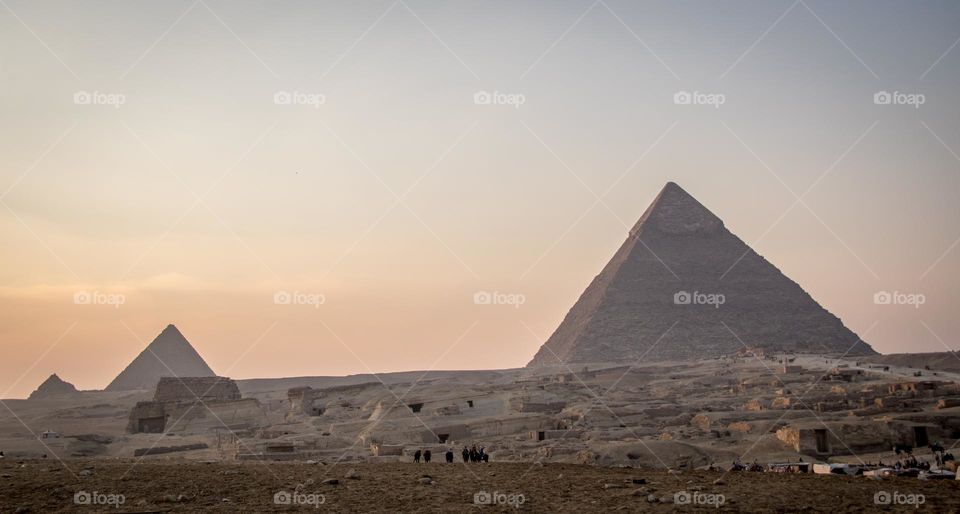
170	354
675	257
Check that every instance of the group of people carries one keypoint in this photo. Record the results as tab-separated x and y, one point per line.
472	454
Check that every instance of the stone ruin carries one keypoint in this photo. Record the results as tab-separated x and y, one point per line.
195	405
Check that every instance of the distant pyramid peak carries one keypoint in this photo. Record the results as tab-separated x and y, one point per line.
170	354
675	211
645	303
53	386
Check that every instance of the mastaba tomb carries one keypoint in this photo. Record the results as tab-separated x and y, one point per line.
188	405
683	287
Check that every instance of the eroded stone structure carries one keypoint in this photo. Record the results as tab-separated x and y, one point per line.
196	405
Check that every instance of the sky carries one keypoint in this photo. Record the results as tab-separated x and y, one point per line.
321	188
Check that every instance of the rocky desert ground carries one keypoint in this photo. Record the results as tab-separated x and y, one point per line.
128	486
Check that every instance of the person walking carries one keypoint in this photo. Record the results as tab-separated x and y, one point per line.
416	456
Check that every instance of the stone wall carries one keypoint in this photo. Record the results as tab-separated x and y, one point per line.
189	389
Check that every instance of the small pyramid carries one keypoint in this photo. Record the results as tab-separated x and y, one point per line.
53	386
169	355
652	301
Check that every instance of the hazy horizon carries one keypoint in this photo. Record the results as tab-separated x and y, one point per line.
197	158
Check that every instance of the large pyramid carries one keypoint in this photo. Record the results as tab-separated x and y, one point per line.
659	298
170	354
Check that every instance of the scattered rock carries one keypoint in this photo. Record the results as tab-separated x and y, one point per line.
426	481
168	498
230	472
673	472
651	498
352	474
613	486
666	499
86	472
641	492
6	475
330	481
21	510
638	481
719	481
